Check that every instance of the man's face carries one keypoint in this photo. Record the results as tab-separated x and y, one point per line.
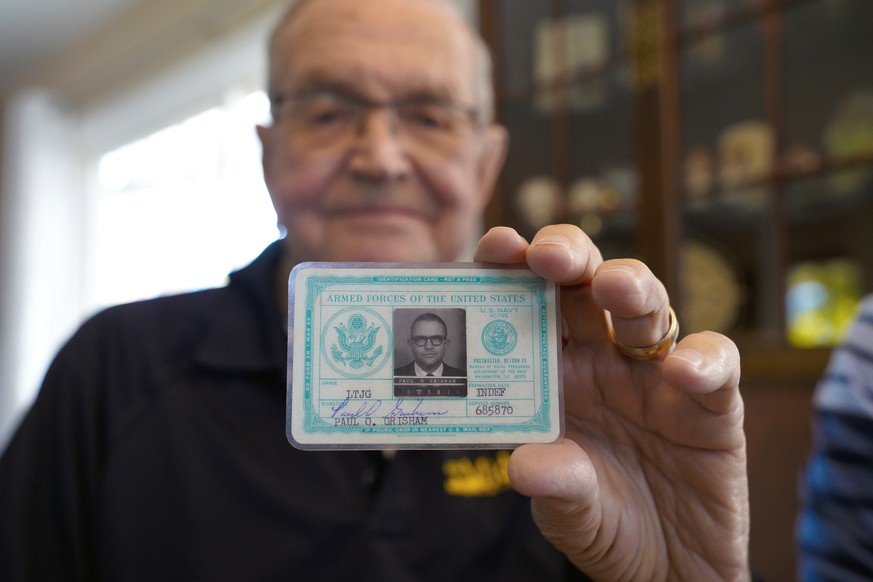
374	194
428	356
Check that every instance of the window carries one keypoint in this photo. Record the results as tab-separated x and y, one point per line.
180	208
134	191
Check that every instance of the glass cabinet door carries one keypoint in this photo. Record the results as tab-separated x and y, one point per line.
776	110
752	150
827	158
726	158
563	93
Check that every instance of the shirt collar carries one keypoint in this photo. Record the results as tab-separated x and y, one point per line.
420	372
246	331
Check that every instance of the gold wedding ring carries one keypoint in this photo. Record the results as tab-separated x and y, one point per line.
655	350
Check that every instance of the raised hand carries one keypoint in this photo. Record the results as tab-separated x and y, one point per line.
650	481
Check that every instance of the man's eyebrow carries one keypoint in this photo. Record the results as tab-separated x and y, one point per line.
420	92
316	83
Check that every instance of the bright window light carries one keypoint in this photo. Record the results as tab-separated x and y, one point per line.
181	208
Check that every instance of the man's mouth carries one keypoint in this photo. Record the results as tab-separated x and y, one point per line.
377	212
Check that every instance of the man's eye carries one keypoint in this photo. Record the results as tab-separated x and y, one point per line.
327	114
325	117
429	117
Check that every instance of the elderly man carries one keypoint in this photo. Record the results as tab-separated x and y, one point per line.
156	448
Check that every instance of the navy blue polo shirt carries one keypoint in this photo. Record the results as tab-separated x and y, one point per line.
156	450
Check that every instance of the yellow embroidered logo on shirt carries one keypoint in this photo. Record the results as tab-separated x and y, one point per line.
482	477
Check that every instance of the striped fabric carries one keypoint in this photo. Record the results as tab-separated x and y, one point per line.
835	529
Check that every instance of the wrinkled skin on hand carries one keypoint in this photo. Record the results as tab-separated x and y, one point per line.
649	482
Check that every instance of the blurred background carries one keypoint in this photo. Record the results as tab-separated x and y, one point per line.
130	165
728	143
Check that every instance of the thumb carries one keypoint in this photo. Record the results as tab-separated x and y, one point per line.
566	497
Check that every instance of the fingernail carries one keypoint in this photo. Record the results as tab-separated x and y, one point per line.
618	268
692	357
554	239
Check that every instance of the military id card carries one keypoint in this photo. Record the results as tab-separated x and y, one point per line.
400	355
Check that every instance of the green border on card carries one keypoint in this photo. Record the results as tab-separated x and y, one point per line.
316	284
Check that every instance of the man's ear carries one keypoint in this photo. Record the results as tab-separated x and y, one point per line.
495	141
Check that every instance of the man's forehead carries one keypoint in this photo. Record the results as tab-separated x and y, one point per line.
417	44
427	324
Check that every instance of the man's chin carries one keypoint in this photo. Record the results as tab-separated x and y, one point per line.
386	245
382	254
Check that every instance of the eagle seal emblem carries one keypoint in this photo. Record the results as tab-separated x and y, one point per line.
356	337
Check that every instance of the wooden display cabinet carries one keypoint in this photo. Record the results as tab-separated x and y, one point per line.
727	143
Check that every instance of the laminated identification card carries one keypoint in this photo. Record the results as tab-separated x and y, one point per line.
400	355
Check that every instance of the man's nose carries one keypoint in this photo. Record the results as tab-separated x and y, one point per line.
378	151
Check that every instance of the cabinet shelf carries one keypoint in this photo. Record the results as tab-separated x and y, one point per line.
733	18
784	173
